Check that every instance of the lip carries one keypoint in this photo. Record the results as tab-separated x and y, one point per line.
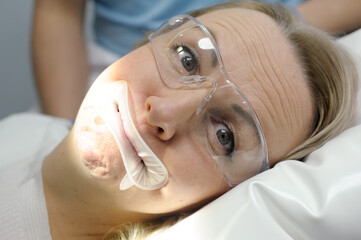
109	110
127	140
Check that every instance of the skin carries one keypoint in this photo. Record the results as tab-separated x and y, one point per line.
59	56
83	197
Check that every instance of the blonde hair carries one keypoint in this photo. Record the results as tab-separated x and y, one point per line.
332	78
142	230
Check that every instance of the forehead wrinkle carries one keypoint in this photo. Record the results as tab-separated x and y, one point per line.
267	102
285	75
282	81
234	33
277	79
252	46
266	60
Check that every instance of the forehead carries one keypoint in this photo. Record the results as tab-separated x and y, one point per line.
250	41
262	64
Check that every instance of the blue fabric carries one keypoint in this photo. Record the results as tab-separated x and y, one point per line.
120	23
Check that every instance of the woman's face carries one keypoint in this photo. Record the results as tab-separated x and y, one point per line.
261	64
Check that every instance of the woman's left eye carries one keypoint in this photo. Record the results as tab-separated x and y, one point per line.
225	137
187	58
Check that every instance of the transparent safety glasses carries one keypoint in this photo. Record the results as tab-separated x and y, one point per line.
224	124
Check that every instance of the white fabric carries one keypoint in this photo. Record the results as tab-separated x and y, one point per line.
318	199
24	141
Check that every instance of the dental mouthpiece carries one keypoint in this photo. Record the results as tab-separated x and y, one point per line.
144	168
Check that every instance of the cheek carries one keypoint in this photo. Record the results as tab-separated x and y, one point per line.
194	177
193	182
97	148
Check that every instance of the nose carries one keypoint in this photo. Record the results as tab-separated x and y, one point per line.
170	112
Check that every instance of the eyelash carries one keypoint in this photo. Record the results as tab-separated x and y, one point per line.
230	129
191	51
225	123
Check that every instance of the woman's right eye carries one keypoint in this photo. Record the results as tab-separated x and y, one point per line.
221	137
225	137
187	59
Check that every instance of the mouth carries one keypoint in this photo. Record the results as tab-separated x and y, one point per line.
144	168
114	119
126	140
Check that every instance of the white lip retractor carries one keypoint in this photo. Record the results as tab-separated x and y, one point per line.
144	168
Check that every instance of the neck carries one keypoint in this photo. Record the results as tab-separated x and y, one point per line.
77	209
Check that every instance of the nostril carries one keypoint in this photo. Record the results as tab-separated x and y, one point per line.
148	107
157	117
160	130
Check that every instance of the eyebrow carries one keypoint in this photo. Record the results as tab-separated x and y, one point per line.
214	57
213	35
247	116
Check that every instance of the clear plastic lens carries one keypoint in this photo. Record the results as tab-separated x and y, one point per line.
249	153
190	36
187	58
